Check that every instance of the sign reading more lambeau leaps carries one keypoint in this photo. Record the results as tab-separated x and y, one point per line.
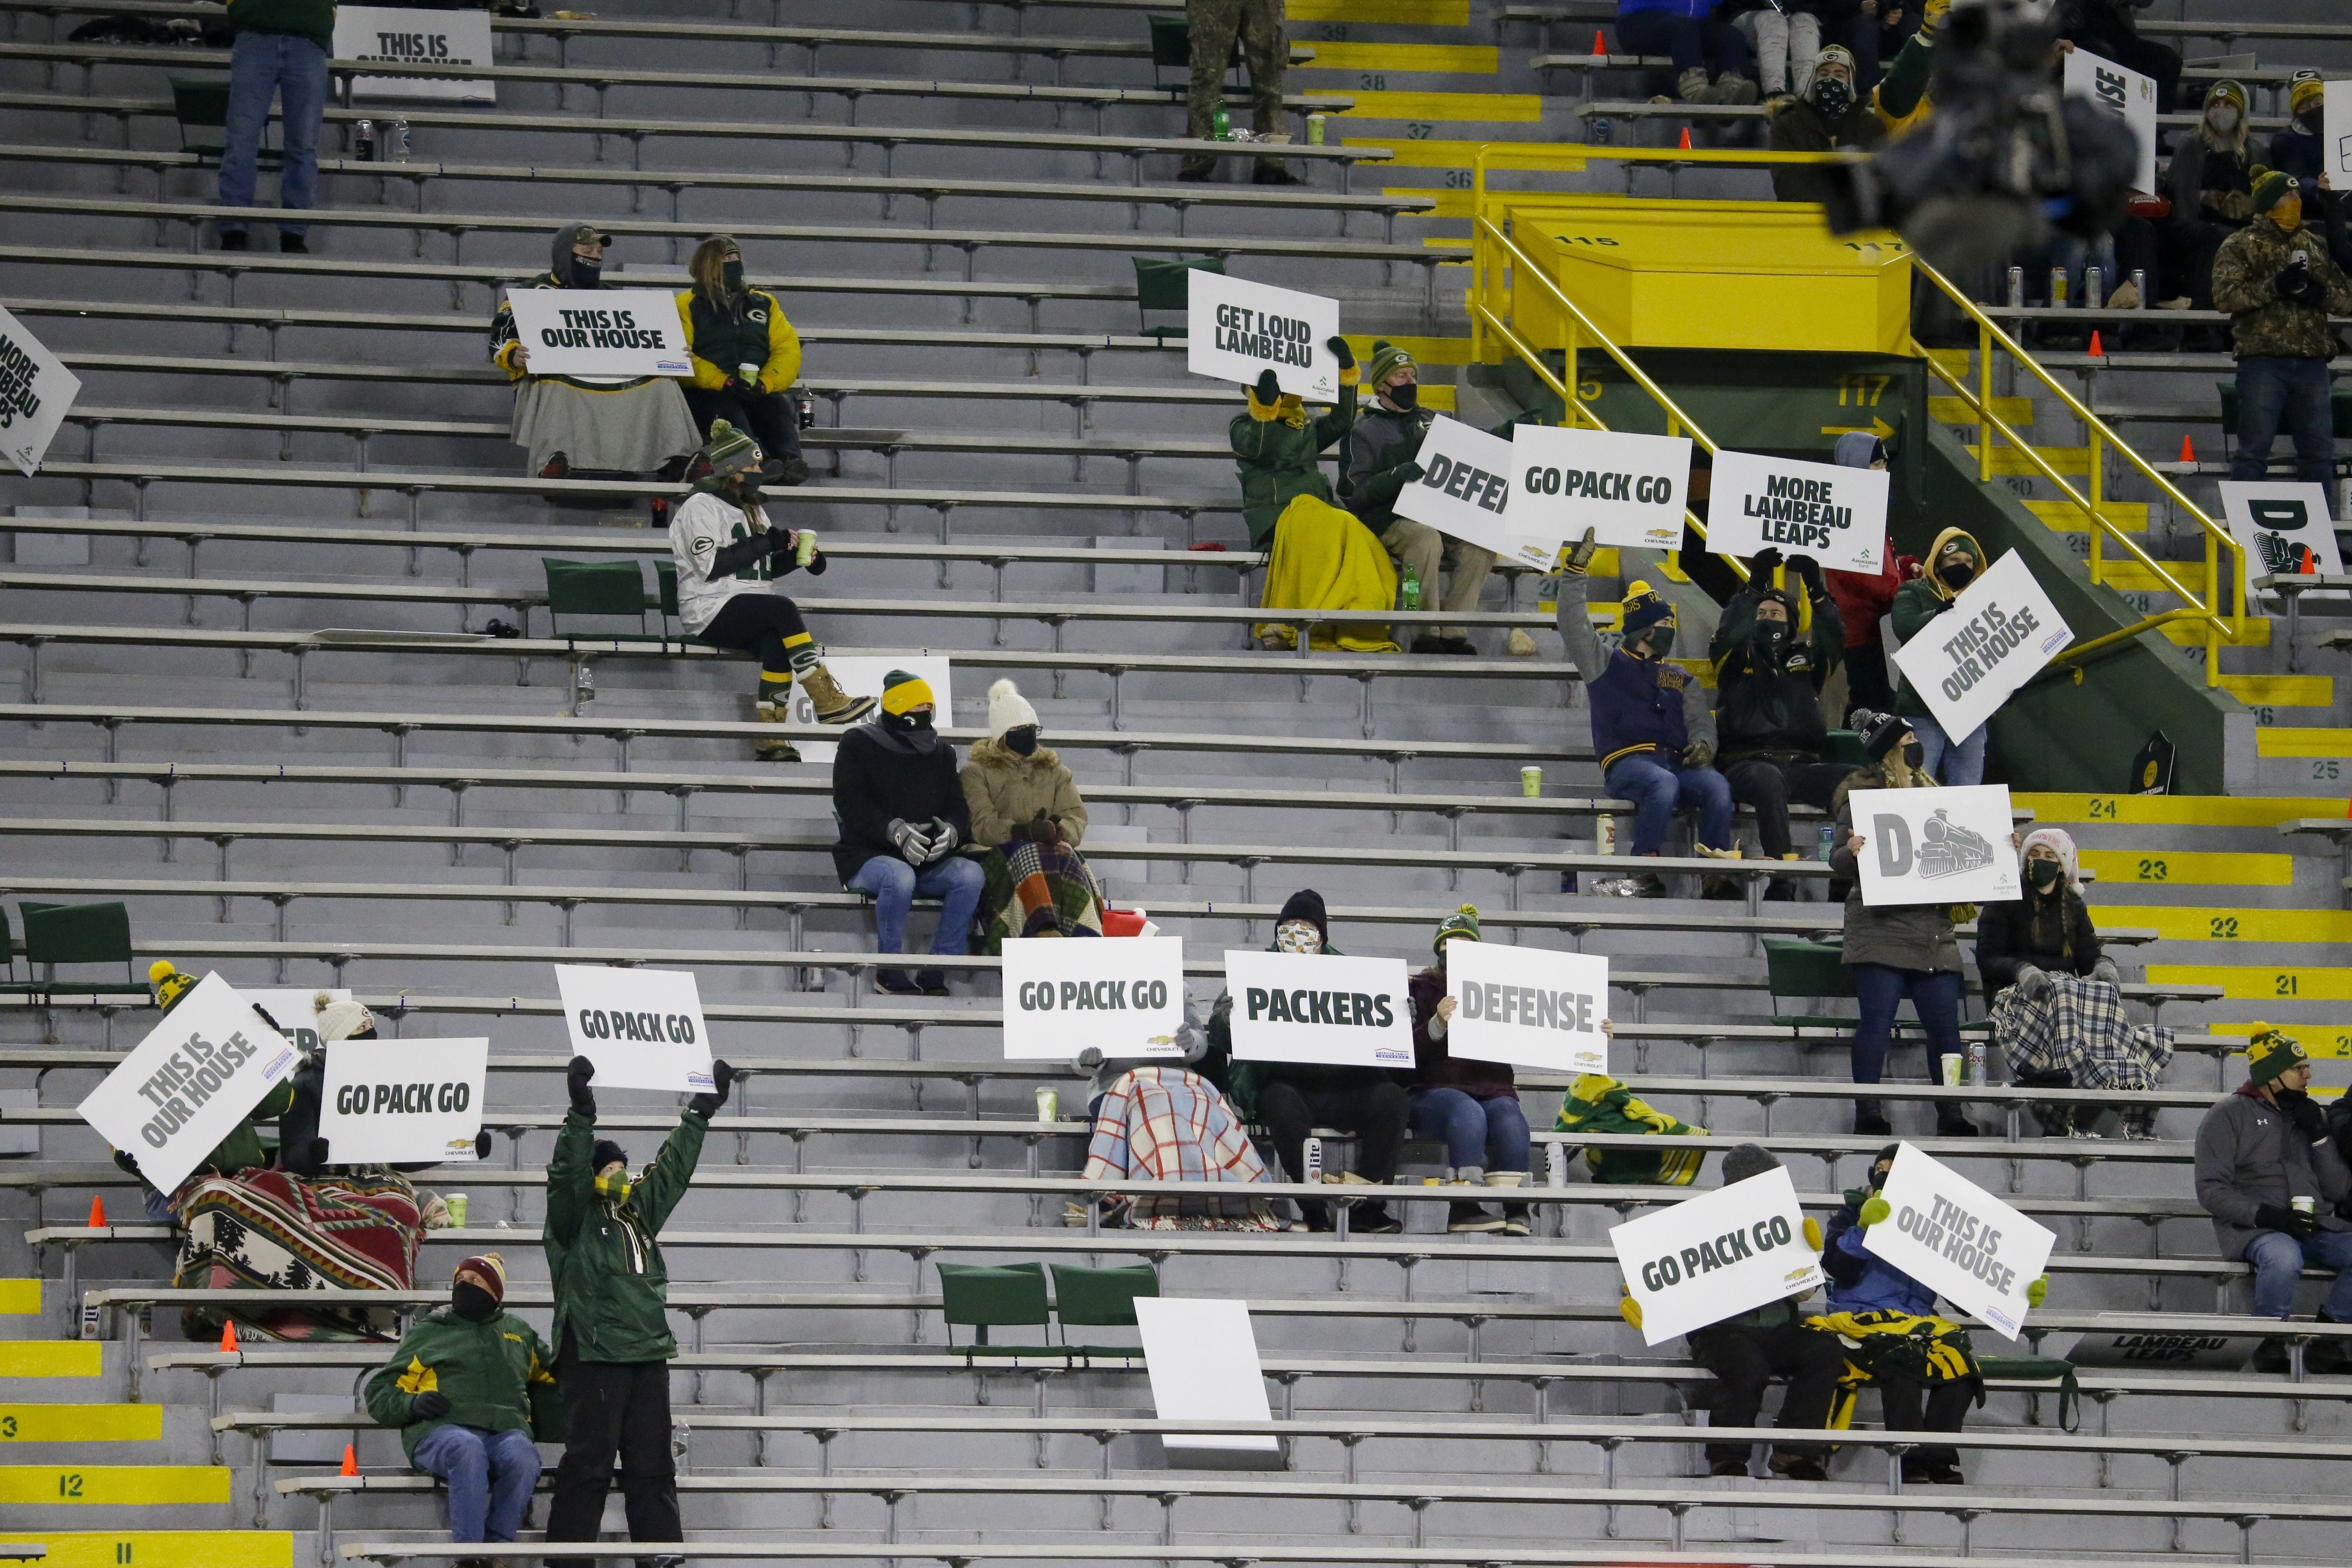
395	36
422	1100
642	1028
1836	515
1526	1005
601	331
184	1086
1236	331
1709	1257
1959	1240
1997	635
1628	490
1319	1007
1124	996
1943	845
36	390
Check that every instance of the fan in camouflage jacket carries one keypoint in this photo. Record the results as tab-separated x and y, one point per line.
2262	322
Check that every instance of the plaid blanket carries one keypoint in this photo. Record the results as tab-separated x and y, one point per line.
2079	1029
1165	1124
269	1230
1036	889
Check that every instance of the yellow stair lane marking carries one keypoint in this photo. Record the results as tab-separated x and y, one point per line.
2012	412
2226	870
1450	204
2192	923
114	1486
52	1357
1438	396
2067	461
20	1298
1424	351
163	1547
2129	576
1457	59
1402	12
2191	634
80	1423
2065	517
1414	154
2316	741
2051	809
2258	981
1953	361
1445	108
2282	690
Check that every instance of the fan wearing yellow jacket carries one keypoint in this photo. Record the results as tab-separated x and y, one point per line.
746	358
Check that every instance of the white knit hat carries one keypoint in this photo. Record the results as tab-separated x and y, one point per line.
1007	710
339	1020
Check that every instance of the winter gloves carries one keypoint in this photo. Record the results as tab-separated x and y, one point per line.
430	1405
920	846
2298	287
1875	1210
2038	1292
575	1081
707	1106
1813	1234
2031	982
1339	353
1579	560
1039	829
2285	1221
2303	1111
1269	387
944	838
2106	970
1630	1309
1698	753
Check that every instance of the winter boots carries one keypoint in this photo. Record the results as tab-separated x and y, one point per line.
1728	88
832	705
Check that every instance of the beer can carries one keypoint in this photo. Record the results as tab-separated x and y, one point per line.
1314	131
2095	287
398	137
363	141
2140	285
1312	1157
1977	1062
457	1204
1604	834
2057	287
2017	288
1049	1105
1531	781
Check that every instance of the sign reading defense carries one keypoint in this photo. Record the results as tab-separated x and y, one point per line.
36	390
1237	331
1628	490
420	1100
189	1082
384	35
1319	1007
1527	1006
642	1028
1997	635
1126	997
1959	1240
2127	95
1465	484
2284	527
1943	845
601	331
1836	515
1709	1258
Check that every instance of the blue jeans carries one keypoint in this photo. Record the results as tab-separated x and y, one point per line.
489	1475
2277	393
2279	1259
1718	46
1935	996
1491	1133
954	881
1659	788
1953	763
294	70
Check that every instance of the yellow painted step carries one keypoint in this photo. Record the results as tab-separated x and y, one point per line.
1460	60
2130	516
51	1358
1402	12
113	1486
2316	741
2282	690
1450	204
1424	351
2129	576
2191	634
80	1423
1437	395
1415	153
2014	411
162	1548
2068	461
1445	108
2250	871
2190	923
20	1298
1953	362
2258	982
2052	810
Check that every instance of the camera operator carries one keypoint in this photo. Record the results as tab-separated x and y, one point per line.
2279	285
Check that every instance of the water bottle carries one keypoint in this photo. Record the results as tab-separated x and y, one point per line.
807	407
1312	1157
1409	598
1555	1165
1601	133
399	137
1828	844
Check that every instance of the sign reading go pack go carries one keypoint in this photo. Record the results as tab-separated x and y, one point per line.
642	1028
1124	996
422	1100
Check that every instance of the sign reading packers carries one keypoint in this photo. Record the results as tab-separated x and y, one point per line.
1628	490
1237	331
1526	1005
402	1103
2285	528
1999	633
448	42
1943	845
1959	1240
1836	515
601	331
189	1082
36	390
1712	1256
642	1028
1126	997
1319	1007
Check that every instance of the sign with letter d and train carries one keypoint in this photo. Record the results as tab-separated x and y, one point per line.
1944	845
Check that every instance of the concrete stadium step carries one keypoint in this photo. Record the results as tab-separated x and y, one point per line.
236	1548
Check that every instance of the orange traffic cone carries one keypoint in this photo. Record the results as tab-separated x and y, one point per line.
351	1459
228	1338
97	1212
2188	448
1599	46
1687	146
2096	351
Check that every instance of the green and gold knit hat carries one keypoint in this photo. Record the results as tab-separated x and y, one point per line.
729	451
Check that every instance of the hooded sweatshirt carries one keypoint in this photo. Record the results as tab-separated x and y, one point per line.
1919	602
563	271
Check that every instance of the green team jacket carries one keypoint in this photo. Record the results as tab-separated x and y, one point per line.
610	1287
487	1372
1280	462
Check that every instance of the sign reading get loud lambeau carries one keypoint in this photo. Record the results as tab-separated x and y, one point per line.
1236	331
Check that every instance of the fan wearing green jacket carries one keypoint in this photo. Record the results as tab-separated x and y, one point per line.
611	1335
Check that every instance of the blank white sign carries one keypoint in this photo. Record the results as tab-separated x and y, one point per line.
1202	1358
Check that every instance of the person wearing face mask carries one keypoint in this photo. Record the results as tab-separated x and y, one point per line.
1383	457
1293	1099
1895	950
1027	814
1774	648
1953	562
746	358
1864	599
728	555
2211	186
1473	1107
301	1149
1830	117
613	1343
2278	1188
586	426
2280	286
904	818
1279	449
462	1387
1652	727
2297	151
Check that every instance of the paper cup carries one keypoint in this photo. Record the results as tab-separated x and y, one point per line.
1049	1105
1531	781
457	1205
1953	1067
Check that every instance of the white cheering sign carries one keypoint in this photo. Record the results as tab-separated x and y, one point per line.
1948	845
1959	1240
642	1028
1465	484
601	331
1319	1007
2125	94
1201	1358
1527	1006
1710	1257
1836	515
189	1082
2278	522
1235	329
403	1102
384	35
1061	996
1996	635
36	390
1628	490
2336	130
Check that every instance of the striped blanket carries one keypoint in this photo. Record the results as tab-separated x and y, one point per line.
1165	1124
1036	889
2079	1029
269	1230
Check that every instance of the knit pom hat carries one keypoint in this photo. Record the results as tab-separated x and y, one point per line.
902	693
2272	186
1307	904
339	1020
1007	710
1645	608
2235	91
1386	357
2307	87
1747	1159
168	983
1463	921
605	1153
2273	1054
492	1268
1878	733
1837	54
730	451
